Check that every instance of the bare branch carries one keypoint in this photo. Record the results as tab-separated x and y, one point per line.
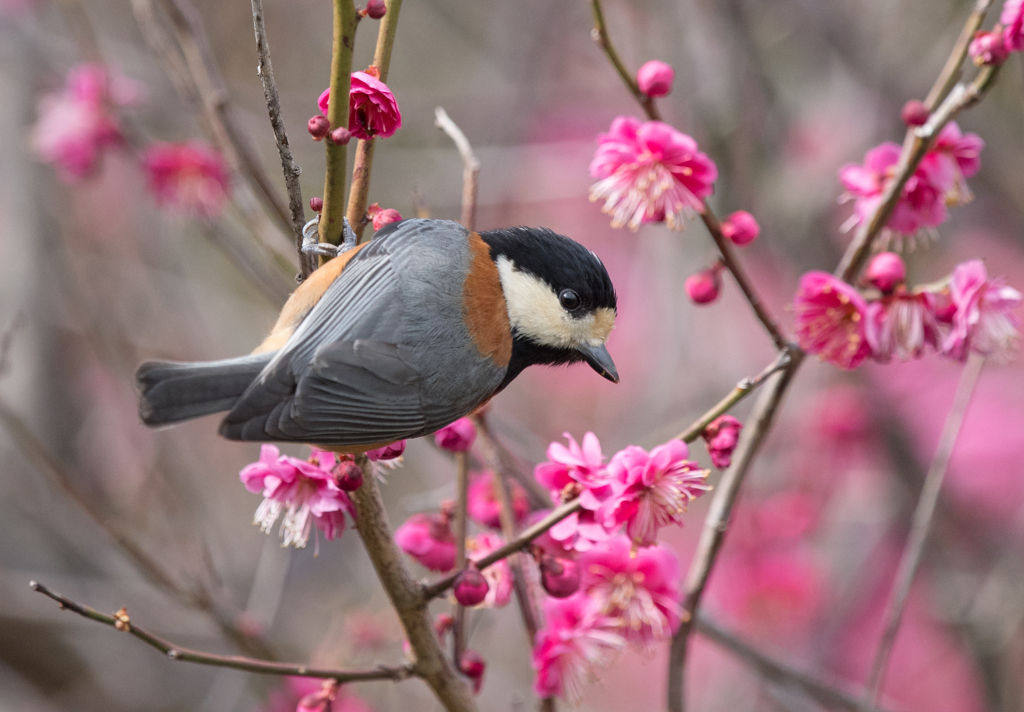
461	527
470	166
265	70
920	527
122	622
600	35
951	70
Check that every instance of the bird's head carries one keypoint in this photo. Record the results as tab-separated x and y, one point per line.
560	300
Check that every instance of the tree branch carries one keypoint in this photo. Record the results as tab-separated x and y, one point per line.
265	70
920	527
121	621
461	529
600	35
470	166
406	595
519	543
359	195
331	217
951	70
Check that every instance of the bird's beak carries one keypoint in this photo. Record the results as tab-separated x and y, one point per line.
600	360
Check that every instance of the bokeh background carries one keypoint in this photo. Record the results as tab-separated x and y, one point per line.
780	93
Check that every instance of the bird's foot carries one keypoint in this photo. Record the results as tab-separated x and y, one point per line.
312	246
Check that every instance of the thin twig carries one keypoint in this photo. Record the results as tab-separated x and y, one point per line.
265	70
825	694
406	596
461	525
600	35
522	541
122	622
470	166
359	195
920	527
743	389
538	496
950	73
739	274
331	217
7	341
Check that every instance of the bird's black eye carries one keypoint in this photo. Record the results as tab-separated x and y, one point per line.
569	299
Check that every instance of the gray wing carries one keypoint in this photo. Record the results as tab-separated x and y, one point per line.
348	375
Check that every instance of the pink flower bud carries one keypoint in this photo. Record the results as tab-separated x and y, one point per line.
560	577
655	78
428	538
988	48
703	287
382	216
741	228
376	9
442	624
459	436
473	666
319	127
341	136
348	476
721	435
885	271
388	452
914	113
319	701
316	204
470	587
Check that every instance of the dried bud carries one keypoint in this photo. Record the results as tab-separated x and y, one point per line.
741	228
885	271
348	476
376	9
655	78
316	204
560	577
988	48
473	666
703	287
319	127
914	113
470	587
341	136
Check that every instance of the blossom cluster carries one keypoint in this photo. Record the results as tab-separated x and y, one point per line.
967	311
993	47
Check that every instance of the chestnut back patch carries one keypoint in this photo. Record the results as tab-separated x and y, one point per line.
483	305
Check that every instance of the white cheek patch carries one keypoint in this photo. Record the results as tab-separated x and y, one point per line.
535	312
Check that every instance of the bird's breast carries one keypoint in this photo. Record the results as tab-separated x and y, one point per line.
483	305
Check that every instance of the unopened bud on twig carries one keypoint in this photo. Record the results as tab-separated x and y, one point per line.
376	9
319	127
655	78
348	476
885	271
341	136
704	286
560	577
914	113
473	666
470	588
316	204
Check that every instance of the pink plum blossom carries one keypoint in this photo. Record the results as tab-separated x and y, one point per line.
901	325
722	435
741	228
388	453
636	589
77	123
428	538
457	436
830	316
498	575
984	321
650	172
1012	20
922	203
988	48
189	177
655	78
484	504
575	644
961	155
650	490
303	489
577	471
373	111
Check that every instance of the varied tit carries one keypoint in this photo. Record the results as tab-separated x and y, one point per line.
399	337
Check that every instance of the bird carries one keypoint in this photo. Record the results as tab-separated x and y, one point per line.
399	337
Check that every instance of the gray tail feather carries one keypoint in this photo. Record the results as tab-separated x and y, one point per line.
170	392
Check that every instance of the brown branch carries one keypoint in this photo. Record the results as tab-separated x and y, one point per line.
470	166
951	70
772	669
538	495
743	389
122	622
522	541
739	274
461	527
600	35
359	195
920	527
331	217
265	70
406	595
